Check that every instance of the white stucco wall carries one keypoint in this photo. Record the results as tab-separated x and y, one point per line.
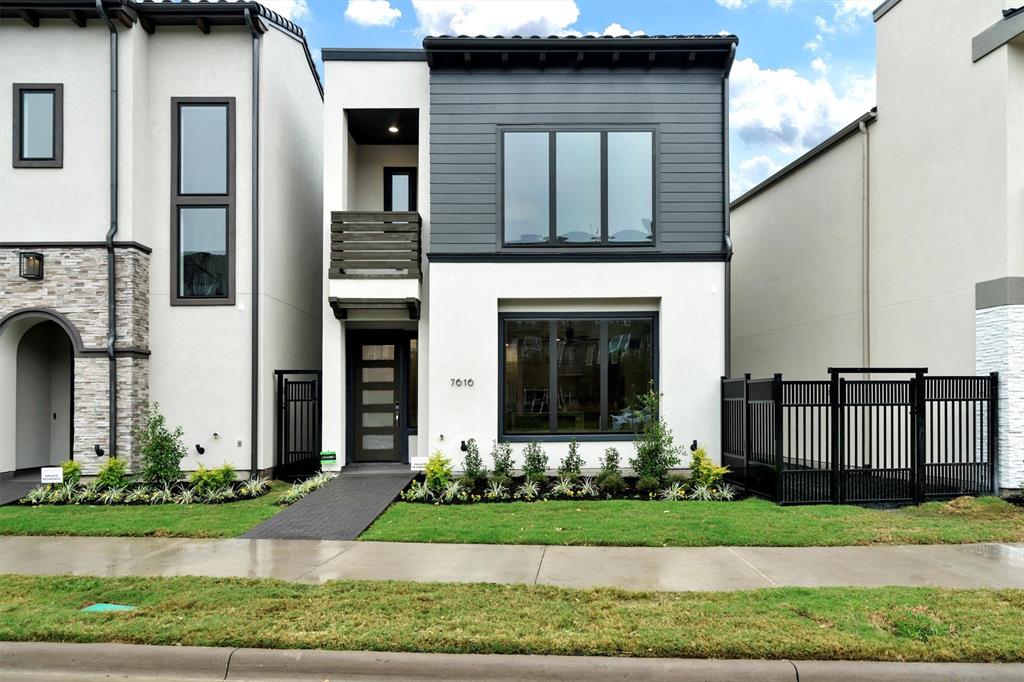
370	161
467	297
797	270
1000	346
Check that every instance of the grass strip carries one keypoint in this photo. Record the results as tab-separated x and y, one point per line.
750	522
888	624
226	520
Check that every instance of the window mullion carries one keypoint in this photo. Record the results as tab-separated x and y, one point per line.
553	376
604	187
552	189
602	355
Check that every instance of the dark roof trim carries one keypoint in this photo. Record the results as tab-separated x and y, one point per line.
371	54
998	34
880	11
584	257
149	14
75	245
867	119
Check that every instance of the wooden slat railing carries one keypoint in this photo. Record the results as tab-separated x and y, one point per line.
381	244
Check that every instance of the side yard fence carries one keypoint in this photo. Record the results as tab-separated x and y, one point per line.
859	441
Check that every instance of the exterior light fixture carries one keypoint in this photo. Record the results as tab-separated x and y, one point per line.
98	450
30	265
392	128
200	449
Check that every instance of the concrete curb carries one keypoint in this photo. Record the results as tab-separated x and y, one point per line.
31	660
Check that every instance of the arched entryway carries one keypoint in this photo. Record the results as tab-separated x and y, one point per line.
37	357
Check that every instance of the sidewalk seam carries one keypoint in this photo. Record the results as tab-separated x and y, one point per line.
322	563
796	670
752	566
227	666
543	553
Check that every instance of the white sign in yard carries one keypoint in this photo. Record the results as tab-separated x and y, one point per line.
52	475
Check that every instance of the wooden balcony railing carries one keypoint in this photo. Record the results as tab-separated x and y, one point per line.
382	244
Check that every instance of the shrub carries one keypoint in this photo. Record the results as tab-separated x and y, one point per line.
138	495
164	495
705	472
162	450
611	464
254	487
674	491
572	463
564	487
205	480
656	451
438	472
303	488
501	453
528	491
610	479
725	492
472	465
72	472
588	488
701	493
113	474
535	462
417	492
65	493
496	491
453	492
113	495
38	495
649	485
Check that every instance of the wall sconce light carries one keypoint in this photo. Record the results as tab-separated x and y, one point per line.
30	265
693	445
200	449
464	447
98	450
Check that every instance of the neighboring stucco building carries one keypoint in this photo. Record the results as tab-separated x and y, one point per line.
521	235
173	151
900	240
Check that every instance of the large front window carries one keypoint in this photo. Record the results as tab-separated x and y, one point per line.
578	188
575	375
203	201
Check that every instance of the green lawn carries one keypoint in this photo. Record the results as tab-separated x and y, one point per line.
751	522
913	624
167	520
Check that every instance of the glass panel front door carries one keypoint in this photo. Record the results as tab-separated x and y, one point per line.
376	399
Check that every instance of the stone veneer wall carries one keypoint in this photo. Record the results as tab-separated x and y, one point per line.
999	347
75	286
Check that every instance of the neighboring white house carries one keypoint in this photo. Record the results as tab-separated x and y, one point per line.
900	240
174	150
522	234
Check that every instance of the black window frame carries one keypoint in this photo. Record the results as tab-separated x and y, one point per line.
392	171
554	318
224	200
57	160
553	242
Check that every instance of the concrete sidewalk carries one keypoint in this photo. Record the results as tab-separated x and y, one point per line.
87	662
991	565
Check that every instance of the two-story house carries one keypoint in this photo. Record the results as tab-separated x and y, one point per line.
522	236
159	226
899	241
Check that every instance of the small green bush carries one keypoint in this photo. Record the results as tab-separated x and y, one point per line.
72	472
204	481
162	450
571	466
501	453
704	472
611	483
535	462
648	484
472	465
438	472
656	451
113	474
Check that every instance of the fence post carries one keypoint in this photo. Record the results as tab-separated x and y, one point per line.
833	403
747	429
921	434
993	431
777	415
278	412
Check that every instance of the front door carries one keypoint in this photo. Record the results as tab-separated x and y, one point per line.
376	397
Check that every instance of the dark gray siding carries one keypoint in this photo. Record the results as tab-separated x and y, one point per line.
683	106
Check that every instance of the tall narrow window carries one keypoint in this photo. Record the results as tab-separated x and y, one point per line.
38	125
203	201
578	187
630	200
526	188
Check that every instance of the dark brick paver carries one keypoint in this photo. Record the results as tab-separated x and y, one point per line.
341	510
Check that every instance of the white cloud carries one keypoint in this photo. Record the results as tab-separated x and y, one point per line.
617	29
780	111
372	12
289	9
781	4
819	66
846	16
496	17
816	44
856	8
750	172
733	4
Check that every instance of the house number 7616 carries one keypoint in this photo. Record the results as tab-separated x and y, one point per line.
459	383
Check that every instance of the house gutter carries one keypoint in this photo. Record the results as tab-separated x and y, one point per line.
865	213
111	232
254	401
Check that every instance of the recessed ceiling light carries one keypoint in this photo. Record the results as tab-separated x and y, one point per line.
392	129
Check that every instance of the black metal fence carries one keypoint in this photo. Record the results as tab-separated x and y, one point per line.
860	441
299	399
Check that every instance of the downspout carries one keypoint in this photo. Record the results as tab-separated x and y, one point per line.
865	213
727	238
255	340
111	278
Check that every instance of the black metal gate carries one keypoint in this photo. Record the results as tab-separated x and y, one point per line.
299	420
857	441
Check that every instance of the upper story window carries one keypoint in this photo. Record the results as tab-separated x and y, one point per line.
203	201
38	125
578	188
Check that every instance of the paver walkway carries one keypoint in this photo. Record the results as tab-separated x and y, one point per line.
13	488
342	509
991	565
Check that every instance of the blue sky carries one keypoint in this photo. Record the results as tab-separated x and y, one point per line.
804	68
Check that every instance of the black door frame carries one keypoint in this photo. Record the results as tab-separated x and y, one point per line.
389	173
354	338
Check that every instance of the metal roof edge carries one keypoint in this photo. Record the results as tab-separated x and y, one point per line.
372	54
880	11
